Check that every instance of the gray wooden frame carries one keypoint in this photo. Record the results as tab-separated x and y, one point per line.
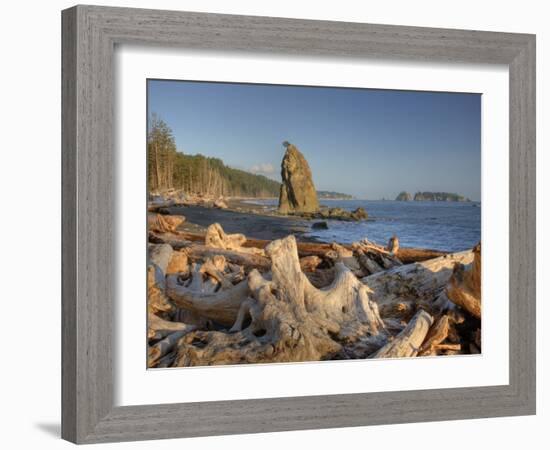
89	37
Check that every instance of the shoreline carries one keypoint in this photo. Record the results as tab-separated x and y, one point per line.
252	217
243	218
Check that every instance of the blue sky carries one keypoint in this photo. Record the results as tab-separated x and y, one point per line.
368	143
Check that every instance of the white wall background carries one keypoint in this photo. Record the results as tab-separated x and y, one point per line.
30	270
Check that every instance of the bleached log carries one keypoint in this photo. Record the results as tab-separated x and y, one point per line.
464	287
200	252
454	348
408	342
368	264
161	348
400	291
393	244
158	328
157	301
183	239
220	306
179	263
382	257
247	260
339	253
175	240
161	223
436	335
290	319
160	254
217	238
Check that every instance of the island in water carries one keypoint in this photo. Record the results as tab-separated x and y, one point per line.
431	197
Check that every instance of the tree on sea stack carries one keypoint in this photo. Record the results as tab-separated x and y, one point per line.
298	194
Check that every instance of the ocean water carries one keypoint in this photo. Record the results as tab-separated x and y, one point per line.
449	226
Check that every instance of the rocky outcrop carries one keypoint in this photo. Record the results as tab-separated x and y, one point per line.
298	193
319	226
359	214
403	197
342	214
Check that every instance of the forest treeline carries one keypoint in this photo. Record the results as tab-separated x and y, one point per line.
197	174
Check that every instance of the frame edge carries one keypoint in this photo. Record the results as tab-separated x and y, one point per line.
88	414
69	37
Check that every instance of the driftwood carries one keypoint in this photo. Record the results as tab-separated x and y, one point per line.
393	244
436	335
217	238
216	301
184	239
408	342
200	252
374	258
163	223
160	254
178	263
159	328
202	296
399	292
248	260
288	318
464	287
159	258
339	253
161	348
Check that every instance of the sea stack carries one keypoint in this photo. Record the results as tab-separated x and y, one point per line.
298	194
403	197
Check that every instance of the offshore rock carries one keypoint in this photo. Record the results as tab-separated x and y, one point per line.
403	197
342	214
298	194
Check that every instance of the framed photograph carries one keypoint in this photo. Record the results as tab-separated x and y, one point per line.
278	224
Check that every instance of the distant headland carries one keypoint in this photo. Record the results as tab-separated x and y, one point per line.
331	195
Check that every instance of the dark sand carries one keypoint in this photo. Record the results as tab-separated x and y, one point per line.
251	220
